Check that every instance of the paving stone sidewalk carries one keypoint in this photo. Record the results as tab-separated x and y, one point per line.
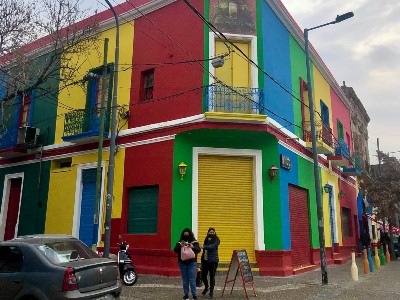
382	284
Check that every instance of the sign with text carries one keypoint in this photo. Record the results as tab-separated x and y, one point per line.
240	264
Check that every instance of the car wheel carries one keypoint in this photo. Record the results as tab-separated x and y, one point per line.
130	277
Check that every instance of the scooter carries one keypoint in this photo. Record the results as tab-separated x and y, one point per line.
126	268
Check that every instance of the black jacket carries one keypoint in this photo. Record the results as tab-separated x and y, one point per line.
196	249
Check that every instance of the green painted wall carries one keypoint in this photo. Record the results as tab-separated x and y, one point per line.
306	180
298	66
234	139
34	196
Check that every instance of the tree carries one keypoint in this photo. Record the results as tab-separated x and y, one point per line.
382	188
28	63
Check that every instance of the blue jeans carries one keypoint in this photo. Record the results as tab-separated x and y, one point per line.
188	271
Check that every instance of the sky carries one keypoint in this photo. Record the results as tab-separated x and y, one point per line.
363	51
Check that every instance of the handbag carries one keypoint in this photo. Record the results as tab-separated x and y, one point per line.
199	282
187	253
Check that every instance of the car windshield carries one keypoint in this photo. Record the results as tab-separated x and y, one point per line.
65	251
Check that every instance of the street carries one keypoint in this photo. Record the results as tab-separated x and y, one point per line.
382	284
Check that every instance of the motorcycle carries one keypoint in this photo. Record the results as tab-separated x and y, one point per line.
126	268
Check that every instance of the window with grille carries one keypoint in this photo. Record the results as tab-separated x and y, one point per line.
143	210
147	84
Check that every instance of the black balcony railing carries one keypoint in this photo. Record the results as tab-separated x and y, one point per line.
234	99
82	122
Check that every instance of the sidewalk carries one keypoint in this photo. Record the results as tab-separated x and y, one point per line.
382	284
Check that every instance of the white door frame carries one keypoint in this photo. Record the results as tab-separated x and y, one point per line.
5	200
78	198
258	188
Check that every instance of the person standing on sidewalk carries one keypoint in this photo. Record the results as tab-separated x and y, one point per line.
209	261
188	267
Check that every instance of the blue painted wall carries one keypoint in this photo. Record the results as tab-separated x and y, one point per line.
276	58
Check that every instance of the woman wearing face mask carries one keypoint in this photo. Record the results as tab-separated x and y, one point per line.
188	267
209	261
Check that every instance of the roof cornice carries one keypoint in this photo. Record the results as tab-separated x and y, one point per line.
106	21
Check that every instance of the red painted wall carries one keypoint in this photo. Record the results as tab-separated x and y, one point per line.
341	112
349	201
152	46
150	164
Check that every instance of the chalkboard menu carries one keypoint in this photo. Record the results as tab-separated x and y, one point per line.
244	265
240	264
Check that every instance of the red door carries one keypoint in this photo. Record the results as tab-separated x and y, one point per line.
13	208
299	226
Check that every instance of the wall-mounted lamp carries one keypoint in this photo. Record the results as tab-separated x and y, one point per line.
341	194
327	188
182	169
273	171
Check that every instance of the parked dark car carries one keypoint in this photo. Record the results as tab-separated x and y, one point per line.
42	267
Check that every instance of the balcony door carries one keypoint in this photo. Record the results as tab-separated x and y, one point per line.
235	73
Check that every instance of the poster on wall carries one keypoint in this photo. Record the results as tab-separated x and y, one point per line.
234	16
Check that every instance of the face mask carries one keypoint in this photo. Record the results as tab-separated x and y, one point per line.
186	237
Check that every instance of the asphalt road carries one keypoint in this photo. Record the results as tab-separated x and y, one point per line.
382	284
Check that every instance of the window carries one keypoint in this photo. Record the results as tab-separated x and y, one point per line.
26	103
324	113
95	88
147	84
346	222
11	259
340	130
62	252
143	210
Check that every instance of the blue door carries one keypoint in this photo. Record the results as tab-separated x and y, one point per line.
88	230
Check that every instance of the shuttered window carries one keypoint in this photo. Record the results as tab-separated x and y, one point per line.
299	226
143	210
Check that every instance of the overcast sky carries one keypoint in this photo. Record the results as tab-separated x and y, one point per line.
363	51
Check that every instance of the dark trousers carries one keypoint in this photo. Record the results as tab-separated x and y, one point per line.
209	267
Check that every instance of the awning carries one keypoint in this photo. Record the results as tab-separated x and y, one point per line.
394	229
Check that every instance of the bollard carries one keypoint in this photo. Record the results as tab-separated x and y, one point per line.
354	269
382	256
387	254
369	257
376	259
366	264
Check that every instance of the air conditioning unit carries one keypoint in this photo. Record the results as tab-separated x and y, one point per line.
27	136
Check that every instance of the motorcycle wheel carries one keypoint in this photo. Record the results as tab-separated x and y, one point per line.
129	277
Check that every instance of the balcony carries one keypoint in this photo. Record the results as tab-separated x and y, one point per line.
324	137
341	156
235	104
18	141
355	167
83	126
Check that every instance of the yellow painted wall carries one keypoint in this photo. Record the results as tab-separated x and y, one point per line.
62	187
325	178
75	96
322	91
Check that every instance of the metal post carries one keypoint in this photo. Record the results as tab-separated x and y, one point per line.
110	173
316	168
100	146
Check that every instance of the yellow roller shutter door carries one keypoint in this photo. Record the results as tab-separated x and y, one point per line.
226	202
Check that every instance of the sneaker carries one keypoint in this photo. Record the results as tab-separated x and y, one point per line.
186	297
205	291
194	297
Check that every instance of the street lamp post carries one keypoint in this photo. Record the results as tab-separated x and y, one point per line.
324	272
110	172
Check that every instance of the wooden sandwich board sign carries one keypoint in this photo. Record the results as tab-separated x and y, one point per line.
239	264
